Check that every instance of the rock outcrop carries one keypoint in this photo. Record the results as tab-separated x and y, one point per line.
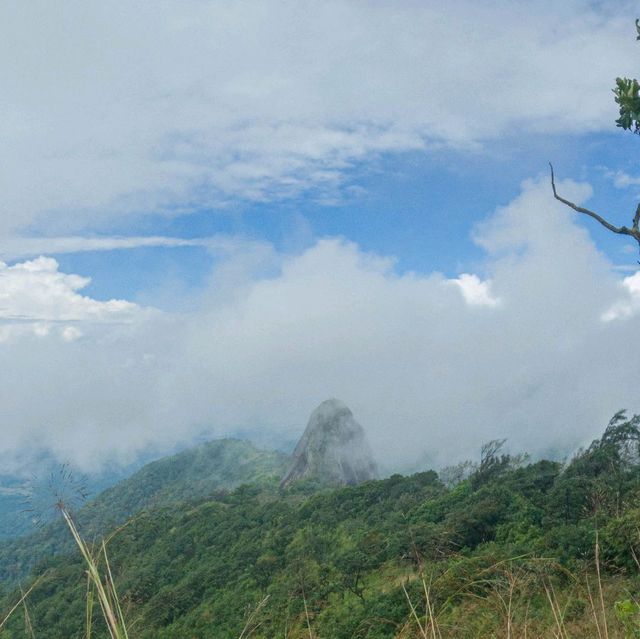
333	449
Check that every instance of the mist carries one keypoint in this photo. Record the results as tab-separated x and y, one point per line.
538	345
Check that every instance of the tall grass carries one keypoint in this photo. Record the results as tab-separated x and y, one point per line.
98	584
506	600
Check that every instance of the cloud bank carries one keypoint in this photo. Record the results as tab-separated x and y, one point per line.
538	345
114	108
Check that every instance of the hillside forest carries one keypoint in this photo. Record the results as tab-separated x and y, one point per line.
503	547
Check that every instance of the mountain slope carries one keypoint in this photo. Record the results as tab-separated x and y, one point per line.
344	557
509	551
190	475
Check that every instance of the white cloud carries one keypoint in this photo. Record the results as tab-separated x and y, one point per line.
117	108
35	294
274	334
623	180
475	291
630	304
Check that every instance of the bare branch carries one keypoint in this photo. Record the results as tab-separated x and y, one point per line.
633	232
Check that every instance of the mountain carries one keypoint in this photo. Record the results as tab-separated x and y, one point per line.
372	561
199	570
194	473
190	475
517	549
332	450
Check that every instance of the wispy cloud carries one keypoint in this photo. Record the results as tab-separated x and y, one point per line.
182	105
13	247
622	179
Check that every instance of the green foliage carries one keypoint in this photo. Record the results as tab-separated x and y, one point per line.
628	613
627	96
600	478
190	475
348	561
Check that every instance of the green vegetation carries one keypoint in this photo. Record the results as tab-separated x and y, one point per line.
628	99
192	474
516	547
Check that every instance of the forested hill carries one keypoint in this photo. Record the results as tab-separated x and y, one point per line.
189	475
193	473
539	550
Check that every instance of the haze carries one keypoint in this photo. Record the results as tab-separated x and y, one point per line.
214	218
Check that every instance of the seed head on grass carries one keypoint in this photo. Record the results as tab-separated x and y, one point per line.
58	495
46	498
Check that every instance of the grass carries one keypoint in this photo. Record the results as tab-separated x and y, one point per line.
99	584
506	600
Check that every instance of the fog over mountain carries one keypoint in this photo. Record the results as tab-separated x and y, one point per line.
333	449
170	151
538	344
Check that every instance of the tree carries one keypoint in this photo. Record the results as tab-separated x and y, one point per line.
627	96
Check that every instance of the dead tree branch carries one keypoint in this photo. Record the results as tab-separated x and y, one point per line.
633	232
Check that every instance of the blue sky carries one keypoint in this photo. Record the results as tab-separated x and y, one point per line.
419	208
216	216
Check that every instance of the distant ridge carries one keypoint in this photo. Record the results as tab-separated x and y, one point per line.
196	472
333	449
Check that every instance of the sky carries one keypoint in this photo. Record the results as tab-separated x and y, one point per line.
216	215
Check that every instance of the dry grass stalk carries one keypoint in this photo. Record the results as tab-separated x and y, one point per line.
555	610
602	607
594	611
89	608
306	613
414	613
22	599
429	613
106	592
28	626
250	627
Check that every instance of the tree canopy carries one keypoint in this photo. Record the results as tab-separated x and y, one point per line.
627	97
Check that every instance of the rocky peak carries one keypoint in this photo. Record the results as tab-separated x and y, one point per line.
333	449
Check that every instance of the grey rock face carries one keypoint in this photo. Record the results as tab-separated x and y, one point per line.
333	449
